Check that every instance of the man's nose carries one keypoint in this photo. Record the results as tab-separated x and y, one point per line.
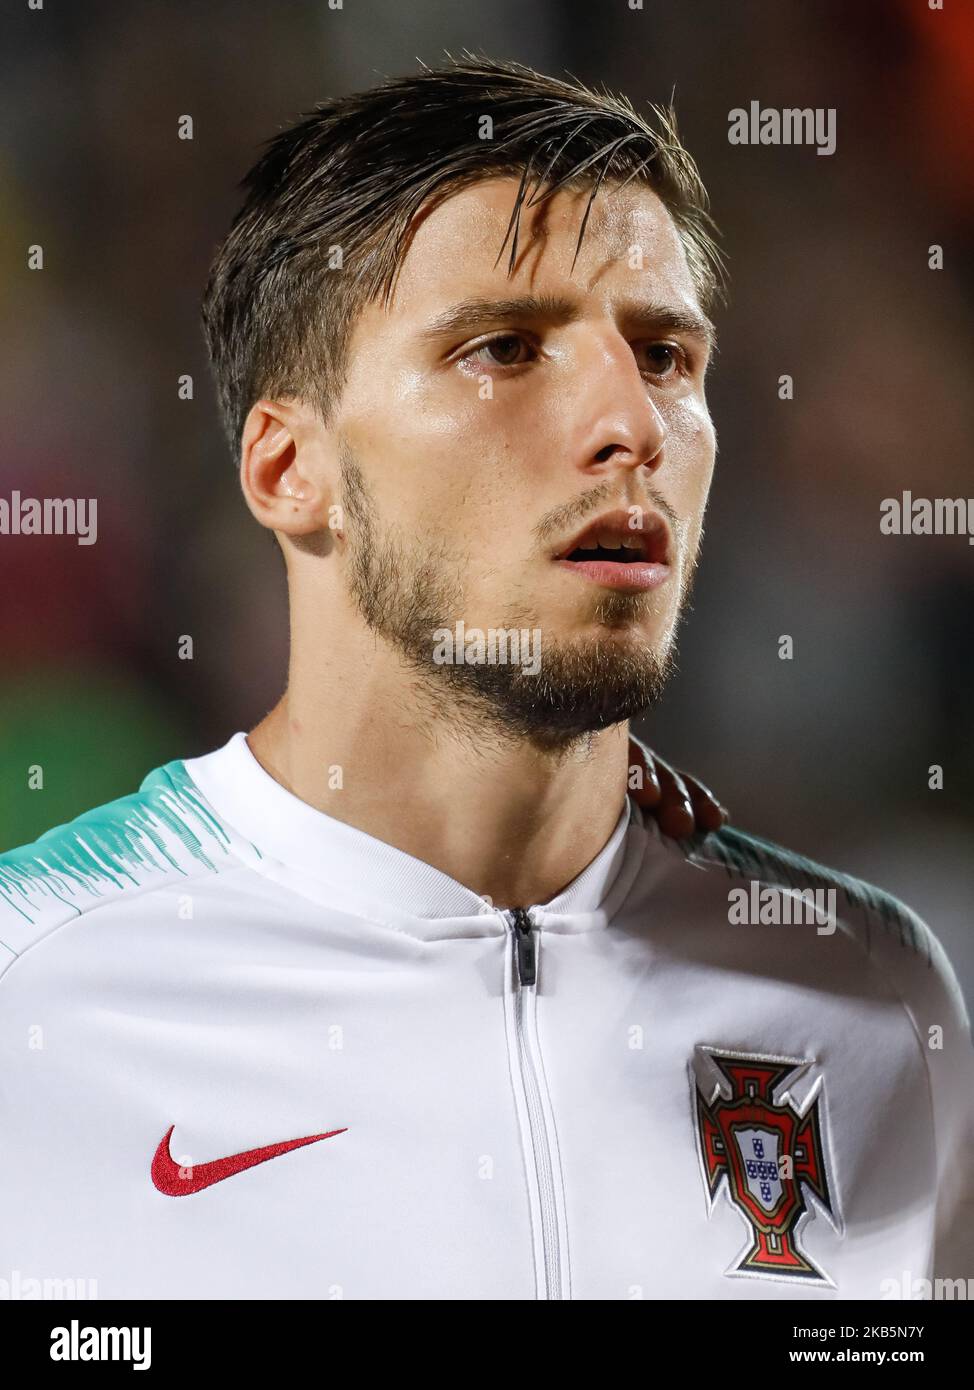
621	423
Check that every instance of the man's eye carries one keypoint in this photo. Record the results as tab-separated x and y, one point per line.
508	350
661	359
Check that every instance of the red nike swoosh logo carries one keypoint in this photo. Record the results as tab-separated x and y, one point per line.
166	1171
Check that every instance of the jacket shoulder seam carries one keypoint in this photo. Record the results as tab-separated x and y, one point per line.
747	856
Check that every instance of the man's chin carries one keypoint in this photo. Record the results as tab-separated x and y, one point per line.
578	688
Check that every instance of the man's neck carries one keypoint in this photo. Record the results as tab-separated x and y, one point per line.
507	820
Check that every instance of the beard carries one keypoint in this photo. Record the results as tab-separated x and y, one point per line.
406	594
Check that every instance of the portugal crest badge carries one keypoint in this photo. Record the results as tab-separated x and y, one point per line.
770	1153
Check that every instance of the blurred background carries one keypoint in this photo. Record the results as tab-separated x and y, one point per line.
828	752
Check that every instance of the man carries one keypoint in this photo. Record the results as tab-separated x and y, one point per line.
398	995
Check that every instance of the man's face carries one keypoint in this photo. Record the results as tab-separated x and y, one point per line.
490	421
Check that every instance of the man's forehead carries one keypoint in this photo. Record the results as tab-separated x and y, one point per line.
454	247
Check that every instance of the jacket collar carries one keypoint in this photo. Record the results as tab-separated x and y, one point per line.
370	878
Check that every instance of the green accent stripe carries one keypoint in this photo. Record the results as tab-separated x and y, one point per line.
115	843
753	858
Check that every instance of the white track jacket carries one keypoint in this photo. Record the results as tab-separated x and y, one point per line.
247	1051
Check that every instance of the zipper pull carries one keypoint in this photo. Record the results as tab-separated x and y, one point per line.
524	941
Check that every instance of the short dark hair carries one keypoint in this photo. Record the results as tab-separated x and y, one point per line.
352	174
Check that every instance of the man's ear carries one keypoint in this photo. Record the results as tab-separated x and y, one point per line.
284	471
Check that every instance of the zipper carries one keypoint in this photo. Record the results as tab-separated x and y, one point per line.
525	1031
525	946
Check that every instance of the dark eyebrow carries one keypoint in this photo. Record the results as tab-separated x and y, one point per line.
473	314
664	318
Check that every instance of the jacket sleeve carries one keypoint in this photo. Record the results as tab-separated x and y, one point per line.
928	988
945	1034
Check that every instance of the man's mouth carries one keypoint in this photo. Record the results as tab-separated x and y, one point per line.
620	550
